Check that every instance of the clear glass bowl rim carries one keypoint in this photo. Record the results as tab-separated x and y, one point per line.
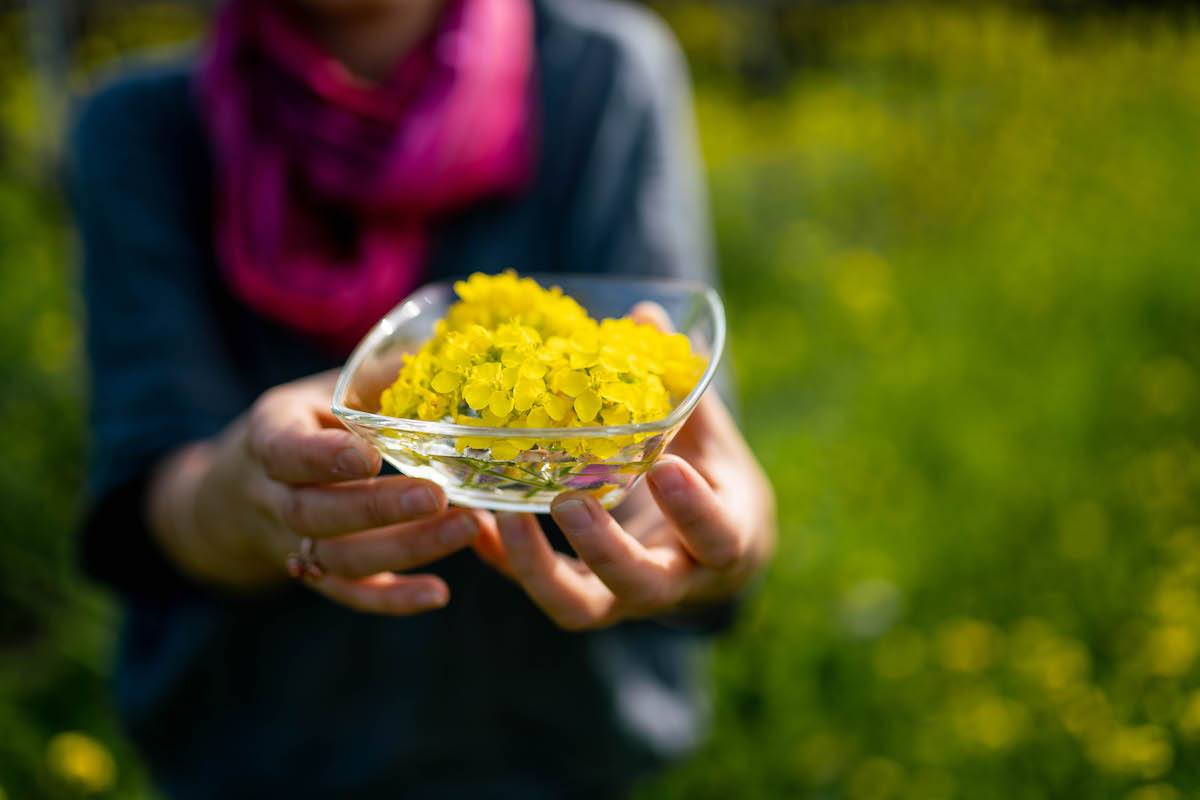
389	322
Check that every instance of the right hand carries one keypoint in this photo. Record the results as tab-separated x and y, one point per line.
228	511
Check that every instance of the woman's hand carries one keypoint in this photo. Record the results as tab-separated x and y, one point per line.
704	528
229	511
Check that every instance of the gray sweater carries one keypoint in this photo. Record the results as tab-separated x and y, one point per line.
286	694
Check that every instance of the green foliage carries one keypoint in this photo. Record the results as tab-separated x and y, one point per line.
53	632
959	259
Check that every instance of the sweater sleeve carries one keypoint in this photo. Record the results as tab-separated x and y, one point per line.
159	372
640	205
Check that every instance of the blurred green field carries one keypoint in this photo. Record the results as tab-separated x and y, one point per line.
960	253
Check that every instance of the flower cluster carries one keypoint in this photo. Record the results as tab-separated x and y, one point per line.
512	354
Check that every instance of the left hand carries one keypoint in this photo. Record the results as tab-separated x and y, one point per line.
702	530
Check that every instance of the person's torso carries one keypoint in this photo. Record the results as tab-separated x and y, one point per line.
485	698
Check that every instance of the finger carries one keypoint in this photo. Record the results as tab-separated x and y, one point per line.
490	547
295	456
572	599
703	523
321	384
317	392
357	505
710	413
649	313
386	593
286	436
711	442
399	547
711	416
631	571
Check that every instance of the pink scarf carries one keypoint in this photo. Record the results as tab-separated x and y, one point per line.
327	185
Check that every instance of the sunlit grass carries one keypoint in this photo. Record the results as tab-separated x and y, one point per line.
961	263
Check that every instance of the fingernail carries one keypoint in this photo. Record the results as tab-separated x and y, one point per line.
667	478
431	598
352	462
419	501
573	514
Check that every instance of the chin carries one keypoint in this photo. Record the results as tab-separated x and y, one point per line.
340	8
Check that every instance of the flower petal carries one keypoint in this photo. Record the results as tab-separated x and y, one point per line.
477	394
574	383
500	404
445	382
506	449
587	405
532	368
526	393
489	372
556	407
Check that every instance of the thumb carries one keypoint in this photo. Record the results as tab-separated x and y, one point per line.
710	416
649	313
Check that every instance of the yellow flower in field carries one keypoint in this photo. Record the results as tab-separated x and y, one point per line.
900	653
1171	650
82	761
985	718
1144	751
876	779
512	354
1155	791
1189	717
967	645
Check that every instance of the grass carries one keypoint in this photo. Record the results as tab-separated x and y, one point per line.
959	254
960	261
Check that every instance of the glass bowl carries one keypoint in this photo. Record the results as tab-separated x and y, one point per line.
470	475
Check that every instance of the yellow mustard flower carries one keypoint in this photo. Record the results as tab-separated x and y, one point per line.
513	354
82	761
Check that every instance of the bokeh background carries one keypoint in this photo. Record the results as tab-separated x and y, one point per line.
960	249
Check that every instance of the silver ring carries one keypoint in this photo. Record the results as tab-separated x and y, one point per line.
303	564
